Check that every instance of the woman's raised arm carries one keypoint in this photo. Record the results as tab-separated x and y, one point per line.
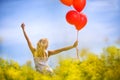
26	37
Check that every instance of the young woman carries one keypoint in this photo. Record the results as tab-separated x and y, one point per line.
41	54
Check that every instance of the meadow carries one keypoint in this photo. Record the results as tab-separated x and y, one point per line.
105	66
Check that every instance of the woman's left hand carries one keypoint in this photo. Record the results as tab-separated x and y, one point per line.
75	44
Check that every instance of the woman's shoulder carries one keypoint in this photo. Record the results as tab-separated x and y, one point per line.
34	52
50	52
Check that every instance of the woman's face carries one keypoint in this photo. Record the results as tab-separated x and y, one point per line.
43	42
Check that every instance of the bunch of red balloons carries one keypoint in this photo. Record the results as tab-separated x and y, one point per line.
76	17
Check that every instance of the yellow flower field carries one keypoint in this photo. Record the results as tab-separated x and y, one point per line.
90	67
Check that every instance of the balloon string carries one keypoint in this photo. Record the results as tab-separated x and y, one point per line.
77	46
77	35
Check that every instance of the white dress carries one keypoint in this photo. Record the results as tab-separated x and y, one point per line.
41	64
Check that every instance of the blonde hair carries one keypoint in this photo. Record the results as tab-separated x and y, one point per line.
41	47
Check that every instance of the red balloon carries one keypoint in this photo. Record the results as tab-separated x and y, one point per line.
79	4
73	17
67	2
82	23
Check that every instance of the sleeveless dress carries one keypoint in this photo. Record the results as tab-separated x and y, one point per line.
41	64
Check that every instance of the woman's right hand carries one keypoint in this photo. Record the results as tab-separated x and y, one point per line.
23	26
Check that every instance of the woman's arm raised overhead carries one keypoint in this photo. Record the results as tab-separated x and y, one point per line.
26	37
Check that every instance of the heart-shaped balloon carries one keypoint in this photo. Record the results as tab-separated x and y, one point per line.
73	17
67	2
82	23
79	4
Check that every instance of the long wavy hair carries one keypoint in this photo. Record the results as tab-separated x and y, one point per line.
42	45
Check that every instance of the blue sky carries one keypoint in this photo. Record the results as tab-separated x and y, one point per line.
46	18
